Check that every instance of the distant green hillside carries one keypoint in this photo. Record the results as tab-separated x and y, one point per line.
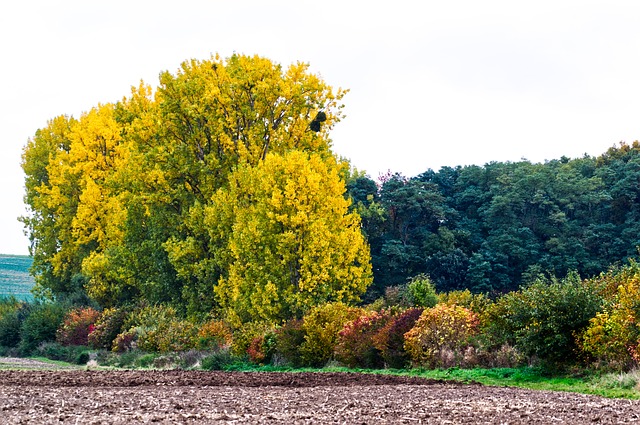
14	276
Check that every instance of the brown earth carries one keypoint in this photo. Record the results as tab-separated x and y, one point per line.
186	397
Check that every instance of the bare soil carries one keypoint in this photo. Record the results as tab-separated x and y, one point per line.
189	397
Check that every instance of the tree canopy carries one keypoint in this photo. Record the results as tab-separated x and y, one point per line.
492	228
123	201
217	192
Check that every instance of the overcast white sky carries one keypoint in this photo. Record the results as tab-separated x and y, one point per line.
433	83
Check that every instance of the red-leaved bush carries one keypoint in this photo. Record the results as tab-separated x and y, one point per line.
213	335
76	326
390	339
355	346
106	328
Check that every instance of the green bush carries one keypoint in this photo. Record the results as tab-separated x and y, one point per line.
52	350
11	325
145	360
126	359
82	358
289	338
76	354
219	360
40	325
422	291
544	320
321	326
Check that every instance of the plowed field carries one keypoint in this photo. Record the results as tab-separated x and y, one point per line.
185	397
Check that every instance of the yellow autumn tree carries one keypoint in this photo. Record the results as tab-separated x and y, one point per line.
52	204
125	200
75	210
291	242
214	116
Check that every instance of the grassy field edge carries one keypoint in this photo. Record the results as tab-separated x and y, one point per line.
610	385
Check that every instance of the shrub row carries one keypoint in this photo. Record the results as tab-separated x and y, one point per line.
555	322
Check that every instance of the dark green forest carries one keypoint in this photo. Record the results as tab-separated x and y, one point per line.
492	228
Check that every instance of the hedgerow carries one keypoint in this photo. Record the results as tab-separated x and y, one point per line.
557	322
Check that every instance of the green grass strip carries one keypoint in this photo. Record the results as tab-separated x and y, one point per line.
532	378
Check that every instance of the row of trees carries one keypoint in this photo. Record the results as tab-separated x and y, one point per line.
491	228
215	192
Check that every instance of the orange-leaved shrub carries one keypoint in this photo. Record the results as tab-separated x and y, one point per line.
213	335
441	335
390	339
355	347
76	326
321	326
612	338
